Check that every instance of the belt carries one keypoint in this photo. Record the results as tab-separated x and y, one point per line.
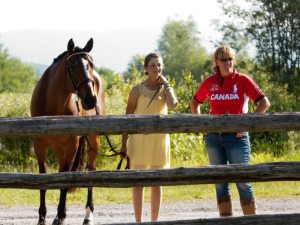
227	133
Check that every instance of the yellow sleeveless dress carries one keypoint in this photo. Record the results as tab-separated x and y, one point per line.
149	151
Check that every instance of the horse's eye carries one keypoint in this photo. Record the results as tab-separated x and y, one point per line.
72	67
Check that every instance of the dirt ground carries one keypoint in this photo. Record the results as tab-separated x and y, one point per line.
123	213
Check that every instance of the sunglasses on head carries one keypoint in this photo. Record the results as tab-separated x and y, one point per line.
226	59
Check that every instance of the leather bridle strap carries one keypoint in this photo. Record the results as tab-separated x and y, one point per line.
87	80
76	87
153	97
112	148
80	53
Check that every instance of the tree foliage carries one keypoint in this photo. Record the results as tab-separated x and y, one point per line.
15	76
285	102
274	28
15	150
136	65
110	77
181	50
186	65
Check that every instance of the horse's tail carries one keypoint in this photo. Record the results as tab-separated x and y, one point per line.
78	164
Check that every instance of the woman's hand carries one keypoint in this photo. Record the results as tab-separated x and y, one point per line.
240	134
162	80
123	152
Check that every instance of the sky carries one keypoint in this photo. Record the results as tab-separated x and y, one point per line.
102	15
106	15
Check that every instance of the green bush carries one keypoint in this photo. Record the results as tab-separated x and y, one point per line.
15	151
186	149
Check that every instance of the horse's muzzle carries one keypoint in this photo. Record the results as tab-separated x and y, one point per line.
88	102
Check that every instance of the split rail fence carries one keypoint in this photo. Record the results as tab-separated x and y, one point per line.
175	123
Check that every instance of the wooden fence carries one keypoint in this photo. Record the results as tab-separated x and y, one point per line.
178	123
175	123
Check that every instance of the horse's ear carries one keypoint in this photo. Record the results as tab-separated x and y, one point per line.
71	46
89	45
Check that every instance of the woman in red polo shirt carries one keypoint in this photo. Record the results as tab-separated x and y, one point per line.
229	92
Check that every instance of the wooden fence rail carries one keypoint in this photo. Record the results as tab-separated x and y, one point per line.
175	123
279	219
288	171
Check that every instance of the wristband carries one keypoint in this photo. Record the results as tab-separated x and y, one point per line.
167	85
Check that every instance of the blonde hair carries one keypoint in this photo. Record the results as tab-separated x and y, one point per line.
222	52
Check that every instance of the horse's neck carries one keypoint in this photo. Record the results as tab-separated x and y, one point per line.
61	98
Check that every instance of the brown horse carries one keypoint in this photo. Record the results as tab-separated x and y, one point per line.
70	86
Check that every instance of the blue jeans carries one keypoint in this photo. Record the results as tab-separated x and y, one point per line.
226	148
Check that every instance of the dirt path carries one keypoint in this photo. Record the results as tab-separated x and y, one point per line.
123	213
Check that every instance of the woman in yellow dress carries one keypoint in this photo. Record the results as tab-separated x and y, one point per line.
149	151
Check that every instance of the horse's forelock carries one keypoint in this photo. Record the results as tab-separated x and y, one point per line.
85	55
78	49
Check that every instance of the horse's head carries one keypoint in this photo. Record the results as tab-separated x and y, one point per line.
80	69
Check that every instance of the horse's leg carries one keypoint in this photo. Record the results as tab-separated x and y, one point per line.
42	208
65	154
40	148
61	209
92	154
89	208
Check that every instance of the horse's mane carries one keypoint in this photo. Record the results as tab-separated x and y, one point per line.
60	56
77	49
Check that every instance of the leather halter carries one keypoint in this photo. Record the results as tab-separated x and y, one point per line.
77	84
76	87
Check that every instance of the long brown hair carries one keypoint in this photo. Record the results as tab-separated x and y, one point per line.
151	56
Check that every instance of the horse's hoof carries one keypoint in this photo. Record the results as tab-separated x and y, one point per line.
41	221
88	222
58	221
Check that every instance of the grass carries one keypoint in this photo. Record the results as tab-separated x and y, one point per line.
283	189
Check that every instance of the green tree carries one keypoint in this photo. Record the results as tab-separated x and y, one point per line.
110	77
274	28
276	143
181	49
136	65
15	76
15	151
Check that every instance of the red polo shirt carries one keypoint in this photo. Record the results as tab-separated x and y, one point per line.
229	95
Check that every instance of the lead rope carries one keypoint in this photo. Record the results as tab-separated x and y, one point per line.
112	149
115	153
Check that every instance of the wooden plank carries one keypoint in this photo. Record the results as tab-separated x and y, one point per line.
271	219
278	171
175	123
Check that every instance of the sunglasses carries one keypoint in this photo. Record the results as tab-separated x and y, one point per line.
226	59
